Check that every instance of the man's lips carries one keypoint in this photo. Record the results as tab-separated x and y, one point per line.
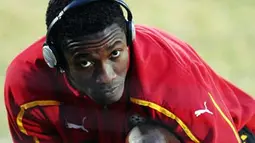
107	95
110	90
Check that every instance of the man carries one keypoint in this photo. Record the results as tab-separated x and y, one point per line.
93	77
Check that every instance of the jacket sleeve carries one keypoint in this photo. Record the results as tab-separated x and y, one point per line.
30	125
190	121
25	94
245	115
226	100
185	94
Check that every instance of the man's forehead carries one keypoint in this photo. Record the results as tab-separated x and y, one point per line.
96	39
114	28
100	40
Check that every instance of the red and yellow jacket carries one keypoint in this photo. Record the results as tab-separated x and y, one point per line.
169	83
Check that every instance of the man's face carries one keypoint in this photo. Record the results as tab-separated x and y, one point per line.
98	64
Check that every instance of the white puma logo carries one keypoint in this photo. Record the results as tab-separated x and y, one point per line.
202	111
75	126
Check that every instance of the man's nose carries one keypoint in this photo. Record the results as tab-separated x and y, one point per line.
106	74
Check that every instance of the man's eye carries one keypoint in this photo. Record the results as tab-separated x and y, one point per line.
85	64
115	54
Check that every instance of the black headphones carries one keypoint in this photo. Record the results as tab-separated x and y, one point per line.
50	53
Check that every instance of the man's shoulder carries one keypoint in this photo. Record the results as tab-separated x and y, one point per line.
165	65
151	42
27	63
156	33
28	77
158	40
31	54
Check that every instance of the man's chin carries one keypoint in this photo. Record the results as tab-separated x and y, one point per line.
108	100
114	99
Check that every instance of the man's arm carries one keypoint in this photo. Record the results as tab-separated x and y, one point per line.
239	104
204	108
246	112
184	93
243	113
30	125
28	101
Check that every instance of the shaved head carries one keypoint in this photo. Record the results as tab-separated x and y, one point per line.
151	134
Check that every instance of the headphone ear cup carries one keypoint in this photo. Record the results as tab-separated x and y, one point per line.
50	56
133	33
130	32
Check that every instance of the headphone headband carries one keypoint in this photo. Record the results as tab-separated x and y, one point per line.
77	3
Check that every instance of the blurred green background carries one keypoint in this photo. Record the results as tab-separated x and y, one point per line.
222	32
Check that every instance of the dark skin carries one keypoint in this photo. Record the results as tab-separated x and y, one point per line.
98	64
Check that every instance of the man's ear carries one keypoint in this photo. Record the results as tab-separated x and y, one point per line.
146	133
